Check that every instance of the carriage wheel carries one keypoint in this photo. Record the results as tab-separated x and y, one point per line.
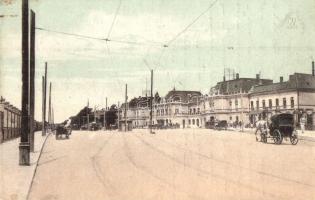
294	139
277	137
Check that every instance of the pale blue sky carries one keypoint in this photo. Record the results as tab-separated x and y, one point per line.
274	37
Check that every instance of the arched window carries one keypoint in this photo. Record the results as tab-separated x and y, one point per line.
176	99
193	121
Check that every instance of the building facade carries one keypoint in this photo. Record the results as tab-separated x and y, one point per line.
238	101
294	96
10	121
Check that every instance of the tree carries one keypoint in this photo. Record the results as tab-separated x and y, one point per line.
157	97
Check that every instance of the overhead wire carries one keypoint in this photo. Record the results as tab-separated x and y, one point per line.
98	38
190	24
113	22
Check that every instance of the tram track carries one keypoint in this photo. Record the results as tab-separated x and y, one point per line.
207	173
111	190
230	164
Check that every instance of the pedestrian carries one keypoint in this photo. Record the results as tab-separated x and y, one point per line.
261	127
302	123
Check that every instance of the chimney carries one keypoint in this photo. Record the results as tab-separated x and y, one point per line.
258	81
223	78
313	68
281	79
237	75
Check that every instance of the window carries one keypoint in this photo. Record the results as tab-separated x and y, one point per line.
197	122
166	111
270	103
198	110
284	103
292	102
257	105
189	122
194	110
176	99
263	104
230	102
277	103
190	111
236	103
176	111
252	105
193	121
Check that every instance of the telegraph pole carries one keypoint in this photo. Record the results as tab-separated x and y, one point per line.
104	121
43	106
126	98
24	146
49	107
45	92
52	118
151	101
118	115
32	77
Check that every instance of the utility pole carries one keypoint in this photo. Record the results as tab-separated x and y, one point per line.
24	146
52	116
126	98
87	113
45	92
88	120
32	77
104	121
118	115
151	101
49	107
43	106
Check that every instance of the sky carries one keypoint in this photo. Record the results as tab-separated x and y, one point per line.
271	37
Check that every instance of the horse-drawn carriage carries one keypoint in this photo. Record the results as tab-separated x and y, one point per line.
281	126
61	130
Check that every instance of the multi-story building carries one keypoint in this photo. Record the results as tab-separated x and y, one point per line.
229	99
178	107
296	96
237	100
10	121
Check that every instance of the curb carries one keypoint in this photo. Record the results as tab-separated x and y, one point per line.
40	154
307	138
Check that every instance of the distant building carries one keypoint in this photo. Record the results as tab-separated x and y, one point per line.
229	100
179	107
239	101
10	121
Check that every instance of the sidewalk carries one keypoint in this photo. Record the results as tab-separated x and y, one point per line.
307	135
15	180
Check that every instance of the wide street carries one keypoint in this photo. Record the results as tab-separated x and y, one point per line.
173	164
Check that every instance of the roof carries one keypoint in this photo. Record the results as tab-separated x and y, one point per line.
138	102
182	95
296	81
240	85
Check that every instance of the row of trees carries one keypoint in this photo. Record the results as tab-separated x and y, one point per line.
87	114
